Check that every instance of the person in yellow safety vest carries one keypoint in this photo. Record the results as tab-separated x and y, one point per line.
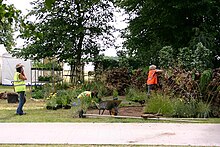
85	93
20	87
152	78
83	96
90	94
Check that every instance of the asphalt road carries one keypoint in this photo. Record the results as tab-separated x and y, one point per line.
111	133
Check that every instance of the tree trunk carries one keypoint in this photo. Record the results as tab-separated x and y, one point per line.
80	42
72	71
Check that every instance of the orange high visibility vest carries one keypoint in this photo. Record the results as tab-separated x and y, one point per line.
152	77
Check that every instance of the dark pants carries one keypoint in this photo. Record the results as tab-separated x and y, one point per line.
150	87
22	100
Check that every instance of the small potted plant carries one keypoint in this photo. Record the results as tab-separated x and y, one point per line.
12	97
66	102
52	105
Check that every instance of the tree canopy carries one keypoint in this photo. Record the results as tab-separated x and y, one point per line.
154	24
8	15
71	31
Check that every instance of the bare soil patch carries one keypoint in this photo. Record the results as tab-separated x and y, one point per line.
123	111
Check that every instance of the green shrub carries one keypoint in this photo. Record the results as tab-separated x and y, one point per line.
166	56
186	109
73	93
47	88
49	65
185	58
65	97
95	86
179	108
201	57
63	85
38	94
59	101
102	90
62	98
130	94
191	108
159	104
45	78
52	104
135	95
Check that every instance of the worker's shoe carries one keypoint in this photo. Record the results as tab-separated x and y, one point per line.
21	113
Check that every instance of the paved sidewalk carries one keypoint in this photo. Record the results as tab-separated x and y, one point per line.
111	133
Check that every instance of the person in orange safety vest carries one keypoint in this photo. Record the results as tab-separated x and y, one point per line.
152	78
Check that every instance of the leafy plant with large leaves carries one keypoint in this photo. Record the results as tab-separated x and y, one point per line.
71	31
154	24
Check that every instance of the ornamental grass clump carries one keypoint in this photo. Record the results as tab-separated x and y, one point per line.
191	108
159	104
203	110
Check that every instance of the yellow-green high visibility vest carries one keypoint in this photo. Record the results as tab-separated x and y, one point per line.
84	94
19	84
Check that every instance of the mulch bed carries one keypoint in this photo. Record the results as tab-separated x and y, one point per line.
123	111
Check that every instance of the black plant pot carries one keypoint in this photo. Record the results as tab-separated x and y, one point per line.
67	107
51	107
12	97
59	106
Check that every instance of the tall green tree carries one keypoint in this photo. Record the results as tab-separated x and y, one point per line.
9	17
70	30
154	24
